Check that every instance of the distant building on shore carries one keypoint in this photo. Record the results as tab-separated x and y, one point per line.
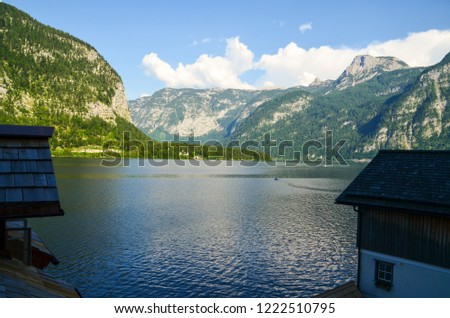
403	203
27	190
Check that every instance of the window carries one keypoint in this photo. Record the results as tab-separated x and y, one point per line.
384	274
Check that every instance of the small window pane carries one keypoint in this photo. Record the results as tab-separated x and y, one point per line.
384	274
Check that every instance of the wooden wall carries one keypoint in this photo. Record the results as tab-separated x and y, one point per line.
420	237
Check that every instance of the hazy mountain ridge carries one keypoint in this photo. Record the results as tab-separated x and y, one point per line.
207	113
48	77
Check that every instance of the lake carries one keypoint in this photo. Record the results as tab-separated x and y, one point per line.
225	231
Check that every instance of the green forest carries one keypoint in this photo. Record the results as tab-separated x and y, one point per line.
51	78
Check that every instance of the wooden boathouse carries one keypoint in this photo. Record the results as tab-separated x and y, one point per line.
403	203
27	190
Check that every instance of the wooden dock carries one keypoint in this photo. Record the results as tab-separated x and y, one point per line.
18	280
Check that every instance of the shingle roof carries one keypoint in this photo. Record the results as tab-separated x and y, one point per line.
412	180
27	181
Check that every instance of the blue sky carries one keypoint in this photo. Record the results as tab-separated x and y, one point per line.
246	43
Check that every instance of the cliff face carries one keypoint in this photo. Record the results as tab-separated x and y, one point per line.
420	117
48	77
118	107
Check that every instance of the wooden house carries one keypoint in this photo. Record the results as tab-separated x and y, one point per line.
27	181
403	235
27	190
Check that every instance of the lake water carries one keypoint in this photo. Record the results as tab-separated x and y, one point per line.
201	231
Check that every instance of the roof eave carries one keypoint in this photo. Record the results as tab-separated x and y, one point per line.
411	206
34	132
30	211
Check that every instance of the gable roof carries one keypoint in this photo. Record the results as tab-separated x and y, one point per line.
412	180
27	180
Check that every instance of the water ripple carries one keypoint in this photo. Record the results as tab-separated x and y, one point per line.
218	233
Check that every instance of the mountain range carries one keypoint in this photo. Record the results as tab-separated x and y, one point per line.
48	77
376	103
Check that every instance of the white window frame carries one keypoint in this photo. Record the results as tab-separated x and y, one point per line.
384	274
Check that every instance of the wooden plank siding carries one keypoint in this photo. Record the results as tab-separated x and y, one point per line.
420	237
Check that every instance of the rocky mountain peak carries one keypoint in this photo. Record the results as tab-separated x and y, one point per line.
364	63
365	67
316	82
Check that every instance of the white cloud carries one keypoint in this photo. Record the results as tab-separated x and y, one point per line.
238	54
207	71
418	49
305	27
202	41
292	65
